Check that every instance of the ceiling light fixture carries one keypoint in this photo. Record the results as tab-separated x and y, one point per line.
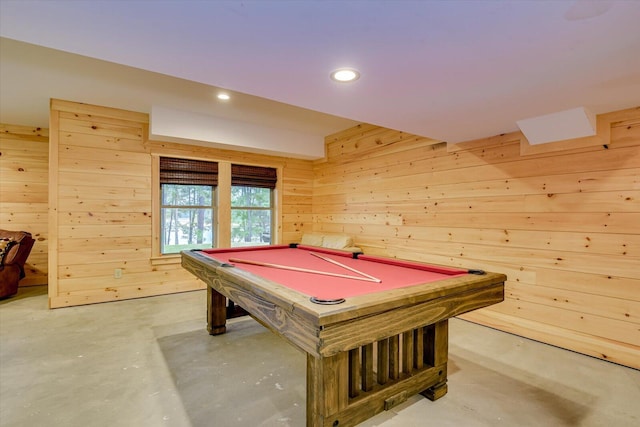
223	96
345	75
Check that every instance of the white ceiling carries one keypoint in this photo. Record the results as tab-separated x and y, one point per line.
450	70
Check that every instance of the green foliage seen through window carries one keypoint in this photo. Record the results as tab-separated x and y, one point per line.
251	209
187	217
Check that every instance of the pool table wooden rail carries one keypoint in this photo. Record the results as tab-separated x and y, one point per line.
323	330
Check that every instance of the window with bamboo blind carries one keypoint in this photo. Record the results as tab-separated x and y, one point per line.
252	204
187	204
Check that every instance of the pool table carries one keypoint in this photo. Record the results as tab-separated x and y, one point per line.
374	329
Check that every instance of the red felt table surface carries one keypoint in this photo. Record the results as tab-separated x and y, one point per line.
396	274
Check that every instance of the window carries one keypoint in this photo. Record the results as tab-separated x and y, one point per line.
187	197
210	203
251	205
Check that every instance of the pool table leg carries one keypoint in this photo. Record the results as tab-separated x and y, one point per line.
327	388
436	339
216	312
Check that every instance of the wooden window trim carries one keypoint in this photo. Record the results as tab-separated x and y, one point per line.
223	206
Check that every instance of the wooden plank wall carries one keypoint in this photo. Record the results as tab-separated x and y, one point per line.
101	205
24	154
563	225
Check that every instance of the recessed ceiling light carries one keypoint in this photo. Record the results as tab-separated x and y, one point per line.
344	75
223	96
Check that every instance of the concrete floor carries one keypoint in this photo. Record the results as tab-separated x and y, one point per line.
150	362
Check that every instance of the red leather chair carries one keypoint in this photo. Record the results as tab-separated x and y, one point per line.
15	247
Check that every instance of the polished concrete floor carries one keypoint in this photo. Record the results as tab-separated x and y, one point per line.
150	362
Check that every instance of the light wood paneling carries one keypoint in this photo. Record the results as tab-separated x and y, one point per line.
563	222
24	187
102	204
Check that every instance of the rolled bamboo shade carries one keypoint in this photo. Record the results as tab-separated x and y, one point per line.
188	172
253	176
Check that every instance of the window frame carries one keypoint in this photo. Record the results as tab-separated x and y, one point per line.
212	207
271	209
222	209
